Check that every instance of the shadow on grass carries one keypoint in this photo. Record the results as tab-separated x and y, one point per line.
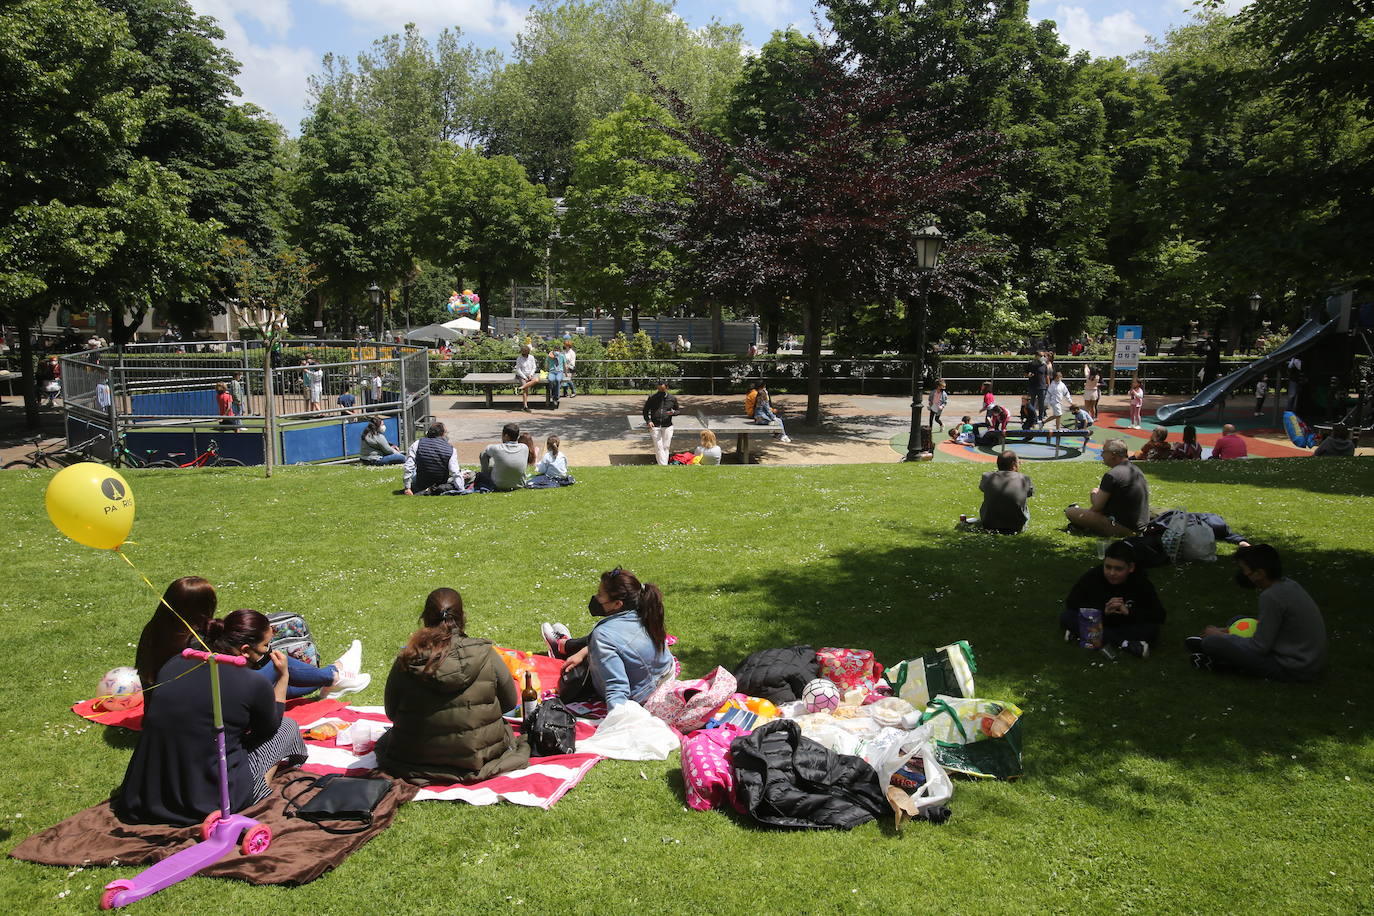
120	738
1094	729
1339	477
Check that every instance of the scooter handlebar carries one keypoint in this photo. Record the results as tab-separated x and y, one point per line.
220	657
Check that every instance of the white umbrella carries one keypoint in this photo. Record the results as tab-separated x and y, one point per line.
464	324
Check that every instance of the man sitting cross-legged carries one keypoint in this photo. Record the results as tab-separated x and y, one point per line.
1120	504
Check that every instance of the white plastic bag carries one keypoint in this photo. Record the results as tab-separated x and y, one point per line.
630	733
894	747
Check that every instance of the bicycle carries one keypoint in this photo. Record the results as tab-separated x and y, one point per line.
126	457
210	458
62	457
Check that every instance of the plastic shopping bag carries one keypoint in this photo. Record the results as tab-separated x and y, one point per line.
909	761
947	671
629	733
976	737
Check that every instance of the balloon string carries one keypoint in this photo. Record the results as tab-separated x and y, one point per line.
95	716
162	600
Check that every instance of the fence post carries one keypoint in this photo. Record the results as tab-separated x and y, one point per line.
406	431
269	413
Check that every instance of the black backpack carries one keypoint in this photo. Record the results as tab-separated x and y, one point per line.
551	729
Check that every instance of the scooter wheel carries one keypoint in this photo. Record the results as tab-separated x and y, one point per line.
256	840
112	890
207	827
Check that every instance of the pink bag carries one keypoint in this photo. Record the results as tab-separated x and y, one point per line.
686	705
706	768
849	668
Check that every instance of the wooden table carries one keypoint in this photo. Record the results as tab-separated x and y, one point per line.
493	380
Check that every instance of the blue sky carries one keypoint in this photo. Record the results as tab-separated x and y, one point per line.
280	42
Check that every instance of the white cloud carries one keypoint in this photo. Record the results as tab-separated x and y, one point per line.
1173	7
496	17
1110	36
773	13
272	76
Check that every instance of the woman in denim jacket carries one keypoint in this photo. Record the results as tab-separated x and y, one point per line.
626	654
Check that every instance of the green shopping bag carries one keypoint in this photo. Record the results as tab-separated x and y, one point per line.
974	737
947	671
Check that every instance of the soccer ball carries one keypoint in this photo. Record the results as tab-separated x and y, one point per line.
119	689
821	695
1243	627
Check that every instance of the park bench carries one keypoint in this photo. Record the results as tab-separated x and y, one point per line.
740	428
493	380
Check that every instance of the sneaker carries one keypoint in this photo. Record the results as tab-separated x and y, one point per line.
550	635
351	662
1070	636
1137	647
1192	644
785	439
346	685
1202	661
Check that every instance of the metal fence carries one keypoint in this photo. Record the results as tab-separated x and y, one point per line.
151	392
1158	376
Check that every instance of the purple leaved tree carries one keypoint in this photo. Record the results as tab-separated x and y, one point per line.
826	211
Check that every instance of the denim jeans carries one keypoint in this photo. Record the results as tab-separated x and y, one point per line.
303	678
568	386
393	458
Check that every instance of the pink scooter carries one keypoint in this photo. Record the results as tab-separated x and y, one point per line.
219	833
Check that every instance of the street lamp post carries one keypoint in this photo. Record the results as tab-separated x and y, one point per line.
1255	300
929	241
374	292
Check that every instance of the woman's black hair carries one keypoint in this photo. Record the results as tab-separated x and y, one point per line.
236	629
621	585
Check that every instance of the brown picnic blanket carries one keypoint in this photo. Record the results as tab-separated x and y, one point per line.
300	851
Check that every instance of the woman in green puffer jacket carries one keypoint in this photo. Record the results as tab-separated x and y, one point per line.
444	696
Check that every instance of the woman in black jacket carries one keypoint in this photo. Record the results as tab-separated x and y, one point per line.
173	777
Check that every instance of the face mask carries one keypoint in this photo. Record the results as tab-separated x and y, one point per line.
594	607
262	662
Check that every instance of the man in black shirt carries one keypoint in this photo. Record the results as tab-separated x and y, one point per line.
1120	503
1130	606
659	410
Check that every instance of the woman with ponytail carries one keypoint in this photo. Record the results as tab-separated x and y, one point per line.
445	696
172	777
626	654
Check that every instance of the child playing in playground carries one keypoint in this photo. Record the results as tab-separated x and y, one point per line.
1081	418
1137	401
1261	391
963	433
988	397
1028	415
936	402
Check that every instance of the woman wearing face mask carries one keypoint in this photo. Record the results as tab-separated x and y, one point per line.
625	656
172	777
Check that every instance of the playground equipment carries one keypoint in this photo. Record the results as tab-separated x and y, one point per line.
221	830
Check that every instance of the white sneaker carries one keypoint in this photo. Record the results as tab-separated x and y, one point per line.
562	631
346	685
351	662
785	439
550	633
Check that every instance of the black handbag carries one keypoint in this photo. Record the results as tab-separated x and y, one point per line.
340	798
551	729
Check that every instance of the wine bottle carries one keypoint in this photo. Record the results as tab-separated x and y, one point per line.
529	697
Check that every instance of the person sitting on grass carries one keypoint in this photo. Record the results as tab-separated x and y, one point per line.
1130	606
445	697
709	449
172	777
431	462
763	412
1337	445
1229	444
1157	448
188	604
532	456
1120	504
1005	492
1188	449
1289	641
626	654
373	447
526	376
962	432
553	467
504	462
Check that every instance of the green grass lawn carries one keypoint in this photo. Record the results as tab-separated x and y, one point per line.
1149	787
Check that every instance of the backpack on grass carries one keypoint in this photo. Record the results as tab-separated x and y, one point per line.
291	634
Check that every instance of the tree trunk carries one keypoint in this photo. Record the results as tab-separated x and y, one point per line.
121	333
26	382
634	318
772	330
619	321
483	301
813	360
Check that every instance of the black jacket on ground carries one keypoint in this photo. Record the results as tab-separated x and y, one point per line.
785	780
777	675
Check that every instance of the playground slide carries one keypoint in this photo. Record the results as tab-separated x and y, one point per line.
1305	336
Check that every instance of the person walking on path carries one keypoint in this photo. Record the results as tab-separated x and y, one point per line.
659	410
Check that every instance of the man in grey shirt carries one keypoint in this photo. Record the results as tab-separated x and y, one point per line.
1005	492
1289	641
1121	502
504	462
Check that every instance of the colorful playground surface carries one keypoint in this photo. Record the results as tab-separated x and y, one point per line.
1263	437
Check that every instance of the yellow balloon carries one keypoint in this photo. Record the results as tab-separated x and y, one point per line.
91	504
